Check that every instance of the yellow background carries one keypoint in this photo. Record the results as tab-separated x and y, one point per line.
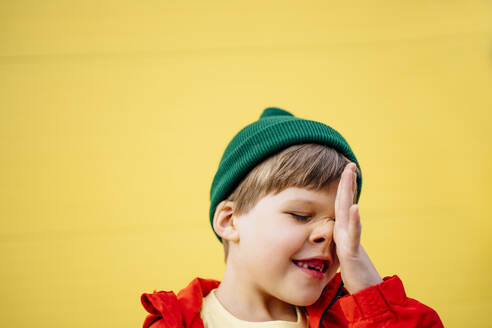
114	116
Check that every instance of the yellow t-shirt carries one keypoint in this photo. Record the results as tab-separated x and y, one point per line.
214	315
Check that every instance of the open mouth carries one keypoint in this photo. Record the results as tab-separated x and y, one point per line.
315	265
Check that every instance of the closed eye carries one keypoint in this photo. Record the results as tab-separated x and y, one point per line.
300	217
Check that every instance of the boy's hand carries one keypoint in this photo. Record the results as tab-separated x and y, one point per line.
356	268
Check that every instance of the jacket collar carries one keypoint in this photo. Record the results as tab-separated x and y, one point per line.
191	297
332	291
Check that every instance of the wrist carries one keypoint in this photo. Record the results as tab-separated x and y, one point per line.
359	273
354	288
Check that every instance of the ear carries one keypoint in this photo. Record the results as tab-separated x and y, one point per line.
224	221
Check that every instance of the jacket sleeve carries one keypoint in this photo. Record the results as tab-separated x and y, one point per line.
386	305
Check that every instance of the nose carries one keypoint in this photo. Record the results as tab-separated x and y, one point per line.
322	232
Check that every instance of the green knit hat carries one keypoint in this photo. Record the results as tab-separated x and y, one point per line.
276	130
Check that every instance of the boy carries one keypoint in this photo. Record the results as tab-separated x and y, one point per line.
282	204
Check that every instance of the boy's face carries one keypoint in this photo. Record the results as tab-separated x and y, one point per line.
272	241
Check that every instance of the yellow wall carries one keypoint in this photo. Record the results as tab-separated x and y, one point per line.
114	115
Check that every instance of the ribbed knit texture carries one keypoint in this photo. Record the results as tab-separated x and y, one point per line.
275	130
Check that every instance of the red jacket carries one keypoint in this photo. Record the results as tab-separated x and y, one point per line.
382	305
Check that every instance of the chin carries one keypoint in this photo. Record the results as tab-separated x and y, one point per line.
306	302
305	299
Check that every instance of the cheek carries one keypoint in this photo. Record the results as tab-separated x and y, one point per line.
283	242
272	241
291	237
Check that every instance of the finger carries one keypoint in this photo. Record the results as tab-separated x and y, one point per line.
355	227
341	204
339	212
345	194
355	181
354	188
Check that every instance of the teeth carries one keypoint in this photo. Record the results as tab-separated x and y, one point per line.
315	268
304	265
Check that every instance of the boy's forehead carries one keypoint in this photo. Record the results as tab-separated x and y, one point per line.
307	196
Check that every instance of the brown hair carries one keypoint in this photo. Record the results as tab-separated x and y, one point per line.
310	166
